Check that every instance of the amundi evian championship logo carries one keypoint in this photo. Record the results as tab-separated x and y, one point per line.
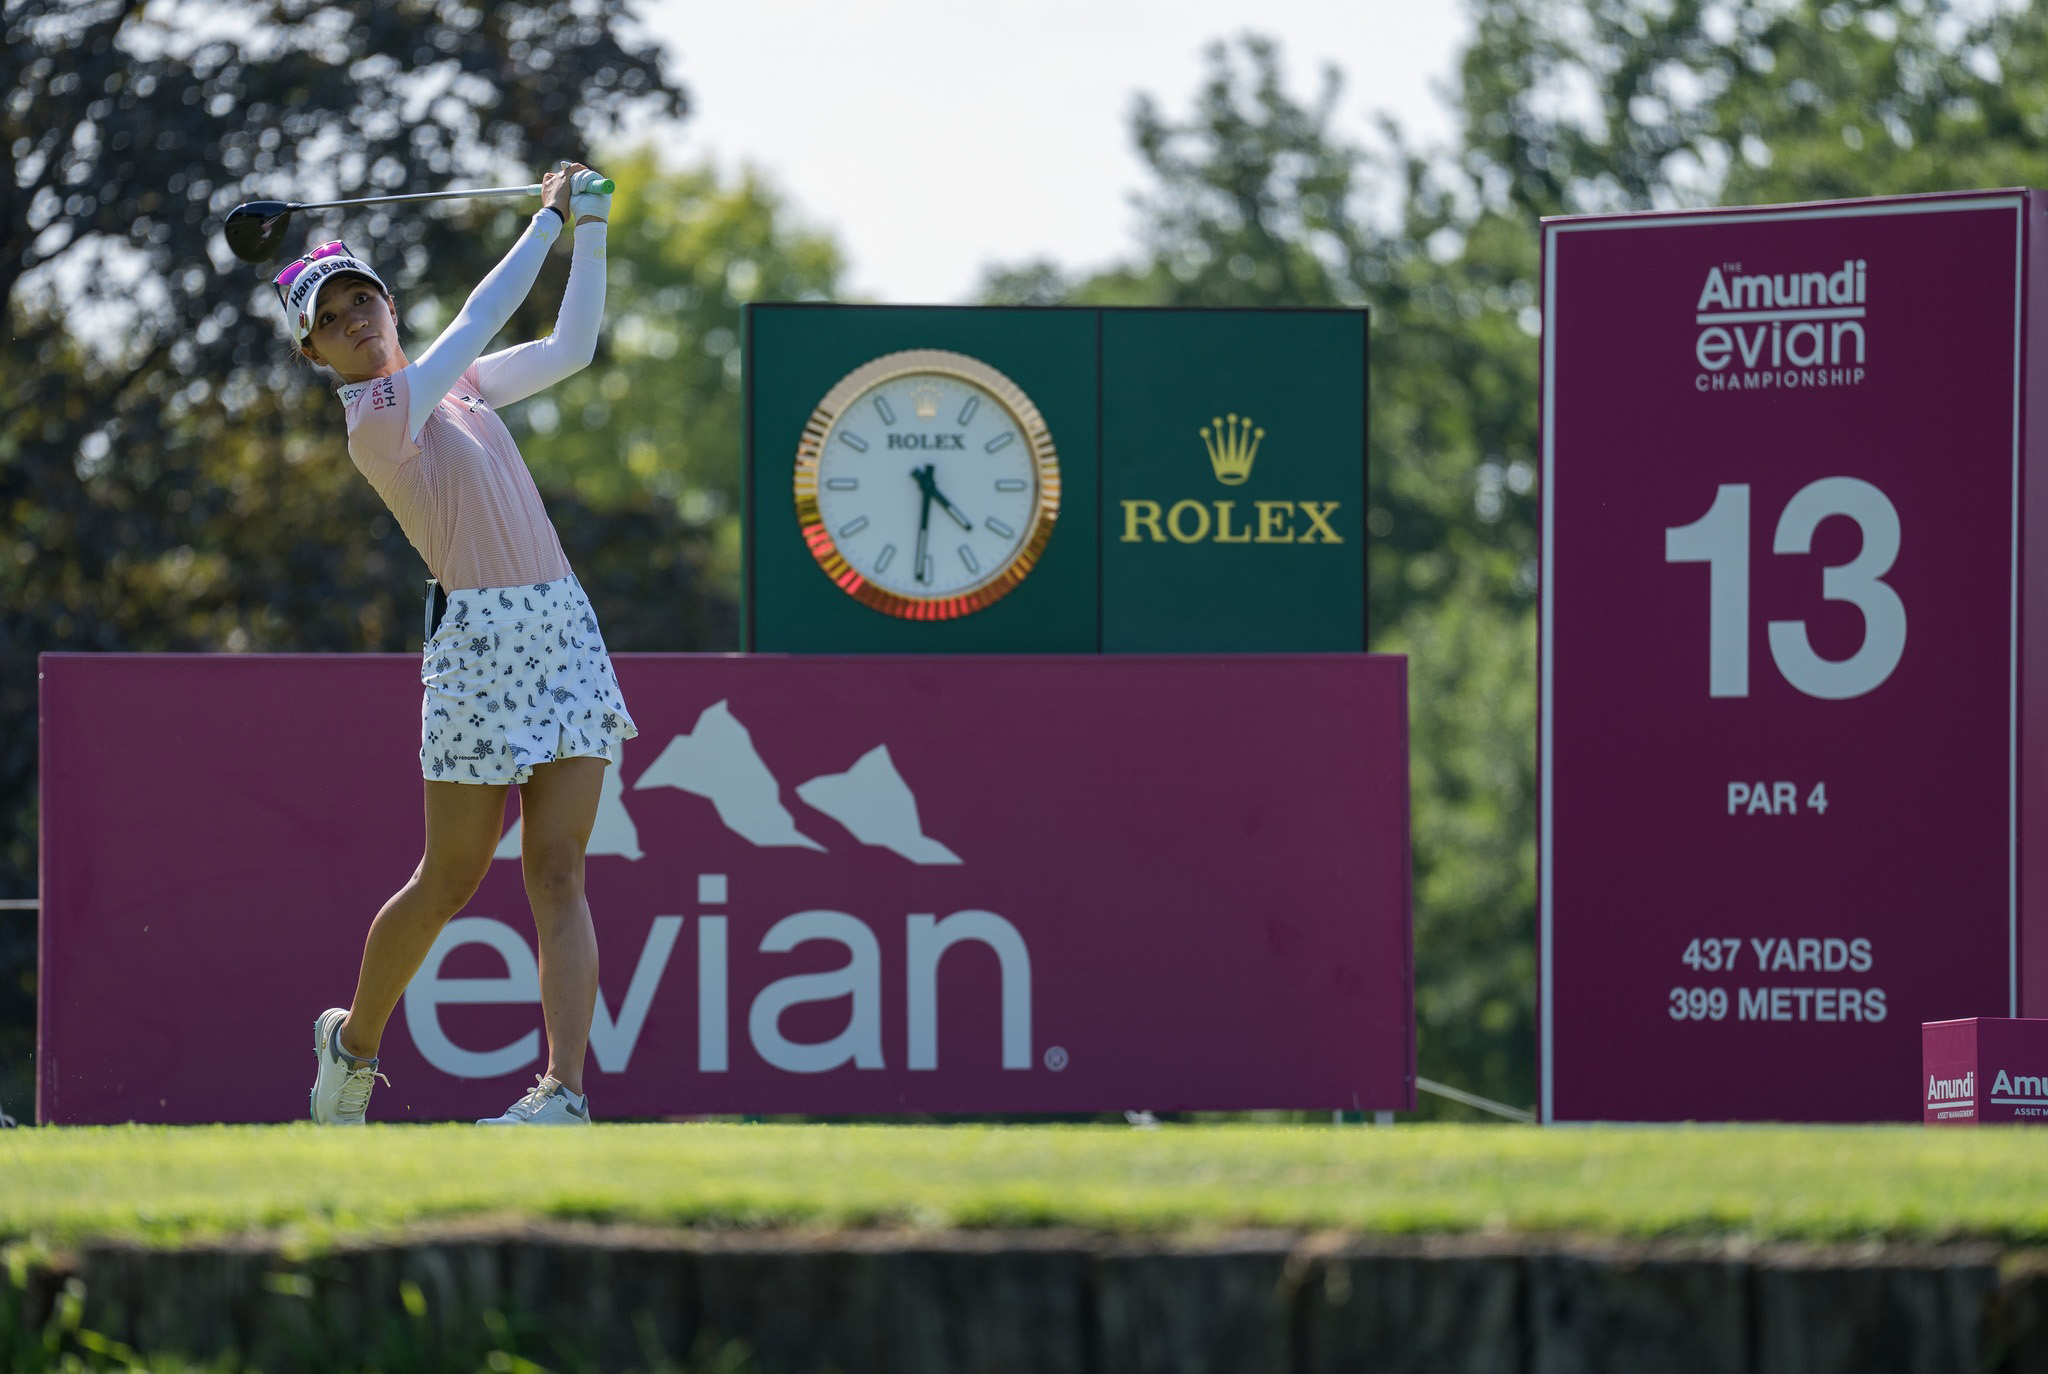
1780	331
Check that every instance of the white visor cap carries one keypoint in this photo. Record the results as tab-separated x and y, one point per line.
302	294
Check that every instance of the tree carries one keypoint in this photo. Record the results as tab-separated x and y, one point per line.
1566	106
1256	200
1882	98
171	478
662	416
1583	105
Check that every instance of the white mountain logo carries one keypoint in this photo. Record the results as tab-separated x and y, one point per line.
874	803
718	762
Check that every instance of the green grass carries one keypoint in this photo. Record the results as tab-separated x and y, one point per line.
312	1186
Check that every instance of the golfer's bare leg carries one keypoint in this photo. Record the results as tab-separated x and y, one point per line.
463	824
557	808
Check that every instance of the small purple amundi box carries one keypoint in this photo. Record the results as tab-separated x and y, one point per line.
1985	1071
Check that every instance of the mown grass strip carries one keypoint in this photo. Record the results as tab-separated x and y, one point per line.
163	1184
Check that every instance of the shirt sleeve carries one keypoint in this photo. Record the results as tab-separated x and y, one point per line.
488	310
377	437
515	373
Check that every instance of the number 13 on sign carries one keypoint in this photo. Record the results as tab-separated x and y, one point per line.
1720	539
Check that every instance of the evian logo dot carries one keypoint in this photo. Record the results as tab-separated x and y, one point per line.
1777	331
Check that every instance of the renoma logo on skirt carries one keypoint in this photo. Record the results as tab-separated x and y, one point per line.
1780	331
717	761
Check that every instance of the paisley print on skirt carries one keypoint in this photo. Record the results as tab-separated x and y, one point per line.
518	676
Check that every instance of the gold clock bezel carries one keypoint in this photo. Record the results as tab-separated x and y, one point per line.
810	451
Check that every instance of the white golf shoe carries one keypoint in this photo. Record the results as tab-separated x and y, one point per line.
547	1103
341	1085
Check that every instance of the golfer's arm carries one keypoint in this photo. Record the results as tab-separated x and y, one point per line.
488	310
518	372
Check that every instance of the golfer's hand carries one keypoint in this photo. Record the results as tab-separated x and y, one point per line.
590	206
555	192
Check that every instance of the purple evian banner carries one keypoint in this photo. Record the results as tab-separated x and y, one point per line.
1793	681
821	885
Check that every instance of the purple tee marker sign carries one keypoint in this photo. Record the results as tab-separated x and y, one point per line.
829	885
1792	693
1985	1071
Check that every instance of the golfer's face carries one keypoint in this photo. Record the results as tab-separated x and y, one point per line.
353	331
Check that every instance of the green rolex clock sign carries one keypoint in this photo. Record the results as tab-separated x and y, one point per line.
1064	480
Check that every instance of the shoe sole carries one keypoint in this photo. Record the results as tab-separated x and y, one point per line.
319	1046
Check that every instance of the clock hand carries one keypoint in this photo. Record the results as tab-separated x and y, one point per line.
950	508
930	485
924	520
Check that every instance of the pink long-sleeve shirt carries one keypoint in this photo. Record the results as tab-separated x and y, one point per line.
429	439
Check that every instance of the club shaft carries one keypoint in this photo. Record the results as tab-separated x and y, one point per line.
532	190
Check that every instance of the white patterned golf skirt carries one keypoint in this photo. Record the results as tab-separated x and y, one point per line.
518	676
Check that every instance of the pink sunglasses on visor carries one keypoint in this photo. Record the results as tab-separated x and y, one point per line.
300	283
290	274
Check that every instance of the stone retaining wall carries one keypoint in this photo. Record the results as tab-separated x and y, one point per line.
1061	1303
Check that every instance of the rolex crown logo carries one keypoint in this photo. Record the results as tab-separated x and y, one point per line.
1233	445
924	399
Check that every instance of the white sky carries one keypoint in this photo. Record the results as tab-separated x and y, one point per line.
937	136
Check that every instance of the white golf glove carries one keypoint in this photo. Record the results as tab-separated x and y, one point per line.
584	202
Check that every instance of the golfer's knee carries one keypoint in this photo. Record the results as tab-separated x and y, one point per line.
447	885
554	873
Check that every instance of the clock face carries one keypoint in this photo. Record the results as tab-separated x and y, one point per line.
926	484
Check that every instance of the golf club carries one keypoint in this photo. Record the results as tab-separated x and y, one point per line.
254	228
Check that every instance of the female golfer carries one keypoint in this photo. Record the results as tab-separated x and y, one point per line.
519	690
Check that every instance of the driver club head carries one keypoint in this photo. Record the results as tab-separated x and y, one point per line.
254	229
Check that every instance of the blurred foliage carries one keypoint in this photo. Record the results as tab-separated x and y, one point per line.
1565	106
1588	105
171	477
661	416
43	1330
1256	199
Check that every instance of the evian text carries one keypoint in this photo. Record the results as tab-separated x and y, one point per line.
614	1034
1781	330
